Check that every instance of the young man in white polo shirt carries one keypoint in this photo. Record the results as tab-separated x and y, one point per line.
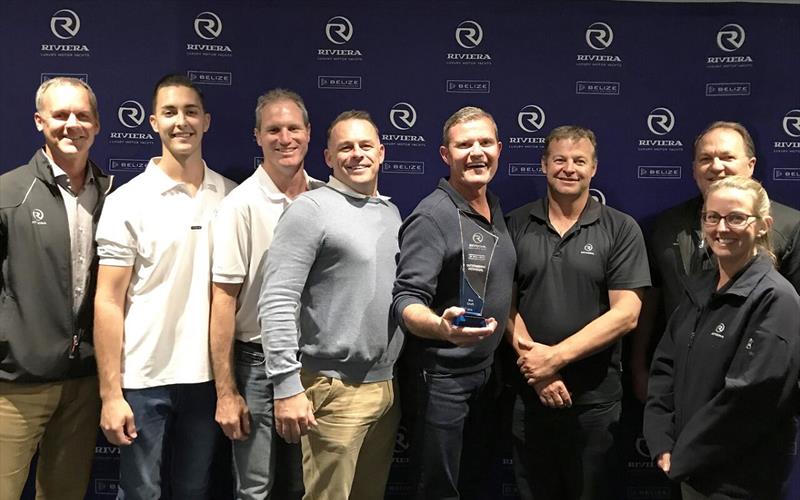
243	231
152	306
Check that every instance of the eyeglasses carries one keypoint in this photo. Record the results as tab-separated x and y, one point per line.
735	220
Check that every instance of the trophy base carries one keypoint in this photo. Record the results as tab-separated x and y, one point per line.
470	320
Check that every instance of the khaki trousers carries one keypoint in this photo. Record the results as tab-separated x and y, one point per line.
349	452
61	419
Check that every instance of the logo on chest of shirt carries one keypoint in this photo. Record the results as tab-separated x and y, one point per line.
588	249
718	331
37	217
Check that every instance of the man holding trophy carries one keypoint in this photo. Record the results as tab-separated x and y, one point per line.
455	271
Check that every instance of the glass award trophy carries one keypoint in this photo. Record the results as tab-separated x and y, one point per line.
477	248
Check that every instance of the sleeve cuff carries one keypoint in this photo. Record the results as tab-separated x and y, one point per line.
287	385
227	278
399	306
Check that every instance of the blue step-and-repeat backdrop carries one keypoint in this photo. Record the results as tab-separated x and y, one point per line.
645	76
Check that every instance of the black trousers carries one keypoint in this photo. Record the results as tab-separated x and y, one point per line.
449	438
566	454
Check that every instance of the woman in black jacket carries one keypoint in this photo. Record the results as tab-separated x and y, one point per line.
723	391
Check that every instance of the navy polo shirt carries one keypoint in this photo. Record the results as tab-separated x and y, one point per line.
563	284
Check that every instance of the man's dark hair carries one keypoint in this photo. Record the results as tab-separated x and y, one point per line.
177	80
353	114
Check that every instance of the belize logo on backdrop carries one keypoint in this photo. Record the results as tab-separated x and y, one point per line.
730	39
790	142
65	24
599	36
468	36
338	32
530	119
131	115
516	169
591	87
728	89
208	28
84	77
660	122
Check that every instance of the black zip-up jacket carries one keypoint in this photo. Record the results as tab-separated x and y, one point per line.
724	383
429	273
41	339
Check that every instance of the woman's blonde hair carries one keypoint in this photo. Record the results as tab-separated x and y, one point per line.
761	206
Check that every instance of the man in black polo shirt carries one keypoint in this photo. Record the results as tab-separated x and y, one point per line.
581	267
676	243
447	366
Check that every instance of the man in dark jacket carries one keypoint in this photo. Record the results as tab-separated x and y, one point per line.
48	385
455	255
676	245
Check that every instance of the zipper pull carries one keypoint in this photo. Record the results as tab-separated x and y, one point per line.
73	351
691	340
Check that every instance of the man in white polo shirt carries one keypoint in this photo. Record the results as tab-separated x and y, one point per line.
152	307
243	231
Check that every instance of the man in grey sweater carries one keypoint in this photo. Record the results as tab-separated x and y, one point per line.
332	265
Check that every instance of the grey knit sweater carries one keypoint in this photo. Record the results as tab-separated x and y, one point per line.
332	265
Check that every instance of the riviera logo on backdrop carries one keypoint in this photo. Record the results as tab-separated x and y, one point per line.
790	123
660	121
468	35
131	115
64	25
598	195
339	31
208	27
599	36
730	38
531	119
403	116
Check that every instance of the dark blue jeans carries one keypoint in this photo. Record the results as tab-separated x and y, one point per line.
566	453
448	438
177	438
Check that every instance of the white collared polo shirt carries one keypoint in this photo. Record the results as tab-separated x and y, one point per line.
155	226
